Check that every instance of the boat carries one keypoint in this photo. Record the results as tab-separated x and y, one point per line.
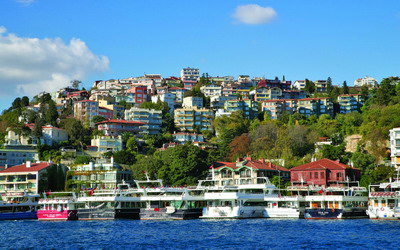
58	206
18	206
169	203
335	202
241	201
278	206
384	201
109	204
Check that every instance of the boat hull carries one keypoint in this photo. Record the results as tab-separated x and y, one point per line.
165	214
348	213
18	216
55	215
282	213
108	214
232	213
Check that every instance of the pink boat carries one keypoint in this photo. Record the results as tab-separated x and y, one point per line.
58	208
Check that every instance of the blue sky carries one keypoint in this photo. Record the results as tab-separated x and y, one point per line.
45	43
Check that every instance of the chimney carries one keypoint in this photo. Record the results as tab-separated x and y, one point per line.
28	164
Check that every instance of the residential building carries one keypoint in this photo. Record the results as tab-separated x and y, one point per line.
245	171
230	89
169	98
98	175
249	107
183	138
276	108
244	78
321	86
350	103
190	74
221	112
324	173
264	94
315	106
173	81
118	127
151	119
85	111
31	177
193	119
306	107
78	95
189	84
118	110
211	90
102	144
192	101
394	135
50	136
366	81
299	84
178	92
275	83
218	102
106	113
293	94
14	155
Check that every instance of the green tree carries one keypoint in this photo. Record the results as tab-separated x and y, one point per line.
132	145
345	88
51	113
24	101
309	87
98	118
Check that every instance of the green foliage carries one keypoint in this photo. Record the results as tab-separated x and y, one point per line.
309	87
149	165
345	88
82	159
51	114
335	153
98	118
125	157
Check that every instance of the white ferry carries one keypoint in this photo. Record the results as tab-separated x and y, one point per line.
238	201
333	202
18	206
278	206
384	201
58	206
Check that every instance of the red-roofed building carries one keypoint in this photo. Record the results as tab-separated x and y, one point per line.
34	177
245	171
325	173
118	127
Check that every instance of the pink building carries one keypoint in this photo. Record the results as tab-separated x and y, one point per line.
325	173
118	127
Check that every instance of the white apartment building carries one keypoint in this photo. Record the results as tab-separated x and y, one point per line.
192	101
190	74
169	98
151	118
366	81
299	84
211	90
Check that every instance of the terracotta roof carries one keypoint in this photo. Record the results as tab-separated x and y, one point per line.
35	167
322	164
255	164
121	121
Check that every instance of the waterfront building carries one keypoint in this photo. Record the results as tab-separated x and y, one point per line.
190	74
31	177
394	135
350	103
85	111
366	81
249	107
193	119
118	127
98	175
192	101
245	171
151	119
324	173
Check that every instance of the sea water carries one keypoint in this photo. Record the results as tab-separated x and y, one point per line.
201	234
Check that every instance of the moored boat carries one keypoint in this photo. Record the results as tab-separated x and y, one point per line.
18	206
384	201
60	206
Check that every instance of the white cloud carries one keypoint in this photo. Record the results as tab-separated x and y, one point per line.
254	14
31	65
27	2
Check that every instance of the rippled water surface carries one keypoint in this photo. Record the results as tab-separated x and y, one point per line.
201	234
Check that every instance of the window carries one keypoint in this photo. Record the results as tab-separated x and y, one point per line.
316	175
322	175
339	175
